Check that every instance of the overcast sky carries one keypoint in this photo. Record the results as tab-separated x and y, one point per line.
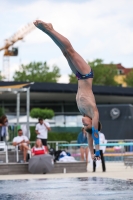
96	28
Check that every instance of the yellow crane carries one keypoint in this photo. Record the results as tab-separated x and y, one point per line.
19	35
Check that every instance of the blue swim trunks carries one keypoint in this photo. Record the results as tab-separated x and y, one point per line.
86	76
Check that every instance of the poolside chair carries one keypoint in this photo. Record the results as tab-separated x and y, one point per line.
3	148
17	153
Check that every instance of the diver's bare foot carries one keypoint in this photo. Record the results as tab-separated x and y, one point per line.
45	27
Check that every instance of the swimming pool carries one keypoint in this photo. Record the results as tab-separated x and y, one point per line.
66	189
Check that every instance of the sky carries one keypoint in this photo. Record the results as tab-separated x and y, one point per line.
96	28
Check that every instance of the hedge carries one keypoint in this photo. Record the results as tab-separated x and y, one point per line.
56	136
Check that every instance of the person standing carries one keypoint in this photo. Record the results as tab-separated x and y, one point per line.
3	127
84	149
42	129
102	149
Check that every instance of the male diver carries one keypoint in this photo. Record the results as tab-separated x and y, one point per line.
85	98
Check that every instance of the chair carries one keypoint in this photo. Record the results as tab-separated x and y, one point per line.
17	153
4	149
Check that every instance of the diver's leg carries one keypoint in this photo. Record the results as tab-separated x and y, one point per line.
82	153
87	153
63	50
68	50
102	160
94	164
90	142
24	154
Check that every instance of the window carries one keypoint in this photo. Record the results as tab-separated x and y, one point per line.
120	71
71	108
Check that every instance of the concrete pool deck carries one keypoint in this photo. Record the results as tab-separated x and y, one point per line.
115	170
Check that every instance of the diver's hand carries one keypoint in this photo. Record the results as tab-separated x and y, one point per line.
96	156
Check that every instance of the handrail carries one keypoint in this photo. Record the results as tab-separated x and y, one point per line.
107	144
47	142
56	143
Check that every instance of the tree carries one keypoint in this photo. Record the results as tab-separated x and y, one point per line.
42	113
129	79
103	74
37	72
1	77
72	78
1	112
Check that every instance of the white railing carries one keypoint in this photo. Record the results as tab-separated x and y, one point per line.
116	150
126	148
55	144
3	148
9	147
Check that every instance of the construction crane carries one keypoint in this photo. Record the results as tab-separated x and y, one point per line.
19	35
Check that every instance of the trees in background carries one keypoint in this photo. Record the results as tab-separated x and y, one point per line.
37	72
2	112
103	74
40	72
72	78
1	77
129	79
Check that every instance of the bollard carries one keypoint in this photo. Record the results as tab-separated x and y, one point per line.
64	170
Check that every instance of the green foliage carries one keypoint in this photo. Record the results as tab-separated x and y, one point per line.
129	79
1	112
103	74
1	77
72	78
42	113
55	136
37	72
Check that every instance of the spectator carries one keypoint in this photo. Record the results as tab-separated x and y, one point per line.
83	139
42	129
102	149
39	149
22	142
3	124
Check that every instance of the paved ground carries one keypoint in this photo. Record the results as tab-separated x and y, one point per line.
114	170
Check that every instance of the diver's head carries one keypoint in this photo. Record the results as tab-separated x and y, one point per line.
87	122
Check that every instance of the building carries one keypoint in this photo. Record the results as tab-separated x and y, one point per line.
114	105
61	97
122	72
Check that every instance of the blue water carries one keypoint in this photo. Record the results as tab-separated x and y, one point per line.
66	189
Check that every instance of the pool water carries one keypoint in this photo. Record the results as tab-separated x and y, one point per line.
66	189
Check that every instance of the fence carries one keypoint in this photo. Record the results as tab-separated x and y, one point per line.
116	150
51	144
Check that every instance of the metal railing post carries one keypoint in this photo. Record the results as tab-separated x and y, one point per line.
17	156
56	146
18	107
28	110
